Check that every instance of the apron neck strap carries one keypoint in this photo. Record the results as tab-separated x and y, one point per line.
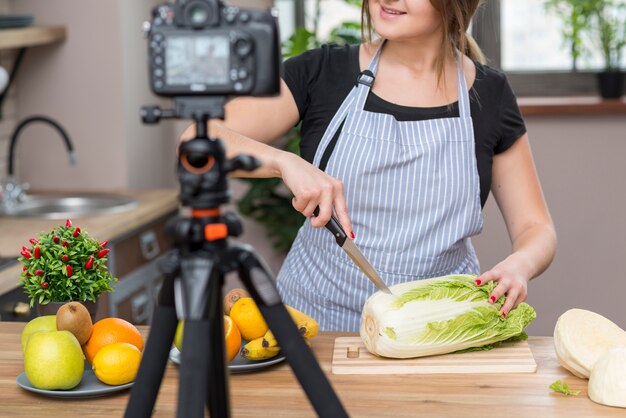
463	93
366	77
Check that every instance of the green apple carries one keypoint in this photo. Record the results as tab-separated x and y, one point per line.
54	360
41	323
178	338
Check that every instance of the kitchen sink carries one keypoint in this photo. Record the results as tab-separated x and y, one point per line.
61	206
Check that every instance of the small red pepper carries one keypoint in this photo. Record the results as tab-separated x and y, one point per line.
68	223
89	263
44	285
24	268
39	273
33	241
66	244
24	248
102	253
26	254
55	239
104	243
69	270
28	274
76	232
37	252
65	258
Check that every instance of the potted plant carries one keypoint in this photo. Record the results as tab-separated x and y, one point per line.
591	25
64	265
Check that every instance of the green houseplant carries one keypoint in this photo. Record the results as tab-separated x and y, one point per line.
595	25
268	201
63	265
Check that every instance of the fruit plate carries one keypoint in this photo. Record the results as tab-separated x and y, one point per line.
89	387
239	364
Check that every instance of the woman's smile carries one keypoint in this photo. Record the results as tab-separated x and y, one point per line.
390	13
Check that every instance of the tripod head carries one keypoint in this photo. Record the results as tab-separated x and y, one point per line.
202	163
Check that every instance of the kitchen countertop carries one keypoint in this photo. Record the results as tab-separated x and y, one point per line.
275	392
153	204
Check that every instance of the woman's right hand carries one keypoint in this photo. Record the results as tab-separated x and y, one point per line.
311	187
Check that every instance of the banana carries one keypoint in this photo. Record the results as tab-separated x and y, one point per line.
307	326
254	350
269	340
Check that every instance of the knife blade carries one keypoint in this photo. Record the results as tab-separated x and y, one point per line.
353	252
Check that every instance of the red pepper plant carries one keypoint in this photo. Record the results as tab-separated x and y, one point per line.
64	265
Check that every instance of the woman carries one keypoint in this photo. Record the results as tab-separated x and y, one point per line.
403	137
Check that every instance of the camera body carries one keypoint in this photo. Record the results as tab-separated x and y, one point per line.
204	48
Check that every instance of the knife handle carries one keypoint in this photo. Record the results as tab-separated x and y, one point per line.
334	227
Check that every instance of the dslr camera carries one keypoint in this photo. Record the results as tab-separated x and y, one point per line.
205	48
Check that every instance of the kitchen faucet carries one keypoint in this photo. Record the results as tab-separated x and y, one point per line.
12	192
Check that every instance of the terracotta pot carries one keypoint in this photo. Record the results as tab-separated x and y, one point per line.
51	308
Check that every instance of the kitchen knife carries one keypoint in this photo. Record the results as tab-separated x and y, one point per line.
353	252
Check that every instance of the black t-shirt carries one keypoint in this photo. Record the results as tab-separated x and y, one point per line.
320	79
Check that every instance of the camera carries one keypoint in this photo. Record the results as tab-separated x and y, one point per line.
204	48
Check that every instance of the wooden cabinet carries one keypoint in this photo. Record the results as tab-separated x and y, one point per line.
134	260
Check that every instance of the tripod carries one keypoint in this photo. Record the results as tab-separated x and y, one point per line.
193	279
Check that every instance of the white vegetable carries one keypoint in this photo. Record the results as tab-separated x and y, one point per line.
437	316
581	337
607	383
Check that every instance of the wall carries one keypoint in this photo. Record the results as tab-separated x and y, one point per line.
93	84
580	160
9	116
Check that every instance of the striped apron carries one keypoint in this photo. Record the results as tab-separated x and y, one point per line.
413	195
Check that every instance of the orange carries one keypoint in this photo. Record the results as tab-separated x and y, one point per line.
233	338
248	319
117	363
108	331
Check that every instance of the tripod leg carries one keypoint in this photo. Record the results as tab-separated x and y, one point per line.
203	340
218	396
260	284
146	387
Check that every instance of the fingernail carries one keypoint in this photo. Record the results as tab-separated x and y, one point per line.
492	298
351	234
503	315
478	282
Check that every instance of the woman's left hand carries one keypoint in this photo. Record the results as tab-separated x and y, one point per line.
512	282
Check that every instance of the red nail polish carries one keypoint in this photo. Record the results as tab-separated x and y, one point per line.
478	282
503	315
351	234
492	298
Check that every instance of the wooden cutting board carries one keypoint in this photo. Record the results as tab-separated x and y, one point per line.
351	357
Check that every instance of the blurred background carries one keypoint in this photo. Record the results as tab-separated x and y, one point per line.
94	80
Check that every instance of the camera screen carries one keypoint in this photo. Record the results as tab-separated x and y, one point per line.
202	59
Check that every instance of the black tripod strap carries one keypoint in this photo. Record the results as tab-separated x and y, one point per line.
146	387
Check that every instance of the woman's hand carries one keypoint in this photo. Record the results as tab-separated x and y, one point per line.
512	282
311	188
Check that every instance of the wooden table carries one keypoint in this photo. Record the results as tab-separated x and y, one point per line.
275	393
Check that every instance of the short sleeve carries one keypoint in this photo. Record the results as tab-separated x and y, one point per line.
512	125
299	73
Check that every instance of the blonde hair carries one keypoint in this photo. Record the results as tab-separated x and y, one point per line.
456	16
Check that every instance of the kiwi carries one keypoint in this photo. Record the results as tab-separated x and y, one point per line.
232	297
75	318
